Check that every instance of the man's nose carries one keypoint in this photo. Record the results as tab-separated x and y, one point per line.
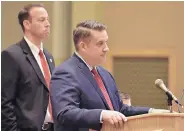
47	23
106	48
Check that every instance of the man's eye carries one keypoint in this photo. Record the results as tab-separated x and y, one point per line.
41	20
100	43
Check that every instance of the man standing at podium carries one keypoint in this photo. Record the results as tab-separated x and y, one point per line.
83	94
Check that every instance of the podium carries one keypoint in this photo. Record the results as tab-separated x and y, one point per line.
151	122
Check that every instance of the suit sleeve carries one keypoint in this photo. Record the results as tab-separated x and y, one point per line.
65	100
9	77
133	110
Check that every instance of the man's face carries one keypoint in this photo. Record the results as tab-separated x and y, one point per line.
39	25
97	47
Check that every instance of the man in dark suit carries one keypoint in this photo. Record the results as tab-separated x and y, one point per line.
83	94
26	71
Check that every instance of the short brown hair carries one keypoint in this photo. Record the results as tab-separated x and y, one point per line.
82	30
24	13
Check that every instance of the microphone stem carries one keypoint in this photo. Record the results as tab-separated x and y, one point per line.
169	101
171	109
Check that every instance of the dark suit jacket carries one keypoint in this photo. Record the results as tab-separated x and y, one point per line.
77	100
24	97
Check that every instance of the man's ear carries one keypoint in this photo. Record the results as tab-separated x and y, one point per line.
83	45
26	24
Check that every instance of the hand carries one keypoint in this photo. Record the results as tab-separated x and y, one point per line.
113	117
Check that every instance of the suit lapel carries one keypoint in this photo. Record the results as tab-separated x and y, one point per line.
33	61
107	86
87	73
90	77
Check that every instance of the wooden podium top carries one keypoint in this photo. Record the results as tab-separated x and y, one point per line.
156	115
151	122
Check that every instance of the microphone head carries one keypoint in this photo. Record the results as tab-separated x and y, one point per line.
159	83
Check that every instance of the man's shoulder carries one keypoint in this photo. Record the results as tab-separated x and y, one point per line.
14	49
67	65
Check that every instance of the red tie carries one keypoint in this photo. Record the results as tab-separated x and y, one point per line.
46	75
102	87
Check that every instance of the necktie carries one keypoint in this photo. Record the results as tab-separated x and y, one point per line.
46	75
102	87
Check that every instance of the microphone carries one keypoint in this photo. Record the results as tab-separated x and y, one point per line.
159	83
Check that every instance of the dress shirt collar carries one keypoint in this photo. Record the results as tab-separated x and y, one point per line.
90	67
34	49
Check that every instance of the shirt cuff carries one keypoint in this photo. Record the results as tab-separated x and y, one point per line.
101	117
150	110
